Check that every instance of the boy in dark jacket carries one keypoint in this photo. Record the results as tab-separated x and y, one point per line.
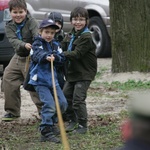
44	50
20	32
81	69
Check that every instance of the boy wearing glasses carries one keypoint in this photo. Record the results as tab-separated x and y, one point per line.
79	50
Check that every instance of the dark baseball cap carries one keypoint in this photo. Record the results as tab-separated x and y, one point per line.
48	23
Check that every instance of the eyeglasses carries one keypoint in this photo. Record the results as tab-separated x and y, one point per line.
78	20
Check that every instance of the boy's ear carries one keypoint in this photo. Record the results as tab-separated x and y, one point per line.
40	31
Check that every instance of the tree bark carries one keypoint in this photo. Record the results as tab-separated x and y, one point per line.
130	35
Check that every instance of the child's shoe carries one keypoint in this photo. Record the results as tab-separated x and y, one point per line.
72	126
47	134
80	130
9	117
56	130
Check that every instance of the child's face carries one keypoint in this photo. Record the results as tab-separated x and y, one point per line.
18	14
78	23
47	34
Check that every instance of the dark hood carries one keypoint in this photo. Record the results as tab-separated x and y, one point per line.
56	16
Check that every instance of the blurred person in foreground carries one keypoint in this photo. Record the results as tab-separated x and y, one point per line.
136	130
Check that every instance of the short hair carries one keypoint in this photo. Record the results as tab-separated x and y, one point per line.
17	3
79	12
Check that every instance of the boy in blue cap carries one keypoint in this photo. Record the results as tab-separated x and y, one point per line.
44	50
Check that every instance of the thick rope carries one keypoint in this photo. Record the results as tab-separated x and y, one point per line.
60	120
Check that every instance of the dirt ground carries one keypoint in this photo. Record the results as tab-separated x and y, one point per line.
110	101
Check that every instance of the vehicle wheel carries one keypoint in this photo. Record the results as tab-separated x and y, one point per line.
100	37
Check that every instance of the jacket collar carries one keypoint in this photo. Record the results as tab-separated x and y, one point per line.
78	33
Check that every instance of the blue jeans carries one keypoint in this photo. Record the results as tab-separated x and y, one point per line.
48	111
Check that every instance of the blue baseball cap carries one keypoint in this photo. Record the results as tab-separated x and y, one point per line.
48	23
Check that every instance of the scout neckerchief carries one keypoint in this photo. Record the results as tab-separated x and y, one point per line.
73	38
19	28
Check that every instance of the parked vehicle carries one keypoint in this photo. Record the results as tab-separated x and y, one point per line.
99	22
6	50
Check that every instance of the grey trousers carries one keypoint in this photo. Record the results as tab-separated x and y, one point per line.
76	93
13	78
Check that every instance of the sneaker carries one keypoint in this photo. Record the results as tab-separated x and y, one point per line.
9	117
47	134
56	130
72	126
80	130
49	137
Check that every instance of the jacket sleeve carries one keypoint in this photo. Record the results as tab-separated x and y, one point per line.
38	54
59	58
33	27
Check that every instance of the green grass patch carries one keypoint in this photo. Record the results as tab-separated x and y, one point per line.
129	85
103	134
100	72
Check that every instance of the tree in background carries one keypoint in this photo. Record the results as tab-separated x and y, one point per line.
130	35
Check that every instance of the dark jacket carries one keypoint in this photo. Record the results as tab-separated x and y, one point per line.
135	145
40	68
28	32
59	36
82	61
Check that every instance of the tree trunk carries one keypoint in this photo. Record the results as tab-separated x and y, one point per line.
130	35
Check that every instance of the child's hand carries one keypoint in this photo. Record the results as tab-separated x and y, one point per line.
50	58
28	46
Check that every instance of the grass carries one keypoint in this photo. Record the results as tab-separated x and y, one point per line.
103	134
128	85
